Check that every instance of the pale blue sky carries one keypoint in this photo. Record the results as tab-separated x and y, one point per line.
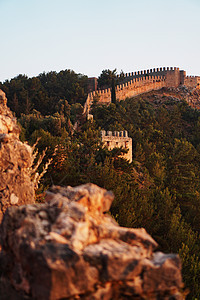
88	36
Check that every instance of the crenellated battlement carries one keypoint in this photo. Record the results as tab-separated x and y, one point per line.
172	75
133	87
149	71
139	82
123	134
118	139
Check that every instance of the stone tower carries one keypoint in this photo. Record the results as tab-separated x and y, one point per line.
118	139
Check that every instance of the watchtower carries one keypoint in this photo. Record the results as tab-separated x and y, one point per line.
118	139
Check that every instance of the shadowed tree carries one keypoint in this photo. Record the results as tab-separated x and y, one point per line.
113	91
106	78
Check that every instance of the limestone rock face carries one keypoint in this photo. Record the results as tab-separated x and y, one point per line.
68	248
16	187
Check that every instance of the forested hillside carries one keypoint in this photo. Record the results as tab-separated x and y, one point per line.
159	190
43	93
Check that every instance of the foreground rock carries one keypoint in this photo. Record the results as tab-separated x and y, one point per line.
68	248
16	158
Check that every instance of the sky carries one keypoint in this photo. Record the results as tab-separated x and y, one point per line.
89	36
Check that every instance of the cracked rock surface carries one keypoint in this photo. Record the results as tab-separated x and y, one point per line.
16	187
69	248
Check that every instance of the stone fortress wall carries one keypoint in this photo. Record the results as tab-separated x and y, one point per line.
173	76
192	81
140	82
118	139
134	84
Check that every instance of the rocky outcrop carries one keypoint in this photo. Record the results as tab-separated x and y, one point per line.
16	159
69	248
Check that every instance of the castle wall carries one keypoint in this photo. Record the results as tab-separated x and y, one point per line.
140	82
129	89
139	86
118	139
172	75
173	78
182	76
88	102
192	81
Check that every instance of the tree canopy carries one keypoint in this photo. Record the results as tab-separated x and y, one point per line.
106	78
43	92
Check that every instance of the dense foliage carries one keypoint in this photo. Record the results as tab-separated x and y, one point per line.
108	78
44	92
159	190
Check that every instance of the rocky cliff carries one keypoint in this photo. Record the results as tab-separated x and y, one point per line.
69	247
16	160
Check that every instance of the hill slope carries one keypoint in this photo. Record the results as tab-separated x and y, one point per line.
160	190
